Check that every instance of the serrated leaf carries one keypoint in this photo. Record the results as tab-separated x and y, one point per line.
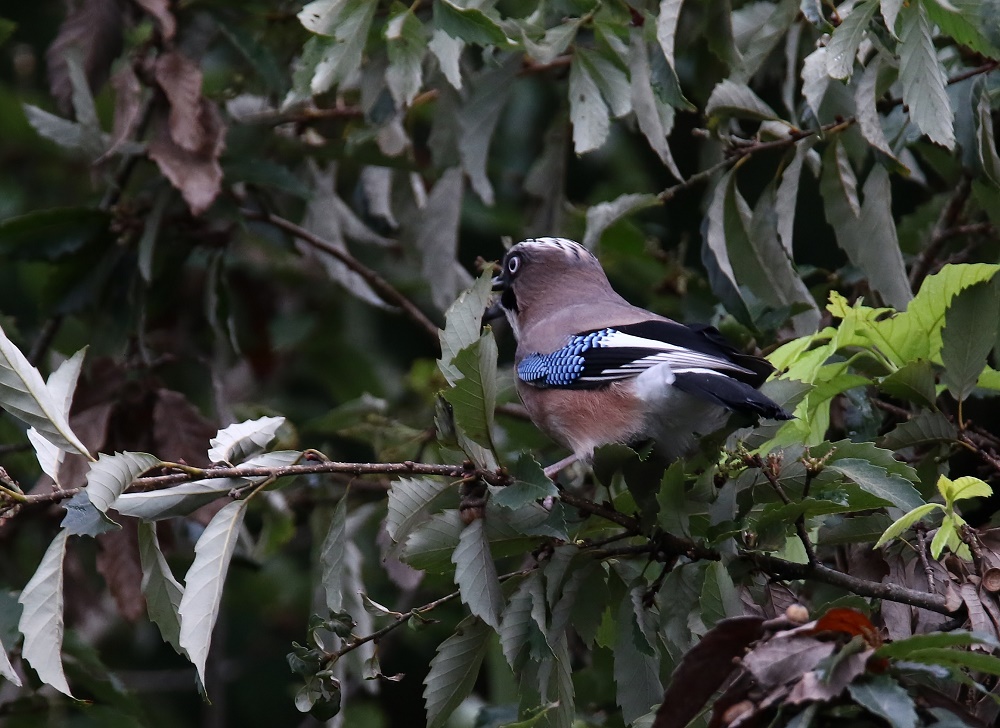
41	621
637	674
6	668
435	236
787	195
902	649
84	519
843	46
463	323
470	24
235	443
477	121
610	79
719	598
869	120
914	382
965	343
155	505
528	485
671	498
587	110
204	581
162	591
923	78
473	397
886	698
520	634
965	487
432	543
968	22
604	214
112	474
454	669
406	44
24	395
731	99
815	79
408	504
924	429
879	482
476	574
654	116
332	557
977	661
902	524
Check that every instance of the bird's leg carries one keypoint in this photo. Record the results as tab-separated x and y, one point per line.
553	470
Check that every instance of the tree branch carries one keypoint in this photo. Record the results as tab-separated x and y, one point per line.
947	220
380	285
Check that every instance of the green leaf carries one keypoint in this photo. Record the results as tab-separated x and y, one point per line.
406	42
654	117
947	535
112	474
886	698
476	574
553	43
463	323
719	598
83	518
235	443
332	557
923	77
964	487
7	28
914	382
965	21
879	482
965	343
587	109
926	428
53	234
637	674
731	99
902	524
949	658
469	24
474	396
162	591
49	456
528	485
203	583
610	79
865	96
155	505
986	146
25	396
857	529
672	499
454	669
329	61
256	53
902	649
843	46
605	214
409	504
431	544
42	619
520	634
477	121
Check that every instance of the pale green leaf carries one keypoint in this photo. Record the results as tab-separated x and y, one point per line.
952	659
843	46
7	670
332	558
815	79
48	455
969	22
162	591
476	574
890	11
110	475
204	581
605	214
62	382
448	51
886	698
241	440
454	669
470	24
923	78
406	44
902	524
587	109
155	505
42	619
965	487
477	120
865	96
25	396
902	649
553	43
947	533
965	342
731	99
787	195
655	118
610	79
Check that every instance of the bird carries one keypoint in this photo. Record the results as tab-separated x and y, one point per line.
592	369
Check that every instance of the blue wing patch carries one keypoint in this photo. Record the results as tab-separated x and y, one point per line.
563	367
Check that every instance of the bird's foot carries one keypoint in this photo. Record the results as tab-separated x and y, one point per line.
553	470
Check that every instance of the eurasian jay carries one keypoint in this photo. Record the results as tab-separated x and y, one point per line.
593	369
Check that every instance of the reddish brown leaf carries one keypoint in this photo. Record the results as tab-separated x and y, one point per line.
179	429
94	29
197	175
849	621
128	107
180	79
118	562
704	668
160	10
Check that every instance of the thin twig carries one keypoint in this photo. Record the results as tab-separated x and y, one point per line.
948	219
922	546
756	461
385	290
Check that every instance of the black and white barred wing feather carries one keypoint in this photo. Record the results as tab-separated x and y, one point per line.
696	360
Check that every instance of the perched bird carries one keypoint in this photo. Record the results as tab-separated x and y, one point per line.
593	369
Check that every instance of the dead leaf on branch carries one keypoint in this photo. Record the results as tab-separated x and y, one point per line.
93	28
128	108
180	79
197	175
118	563
160	10
180	431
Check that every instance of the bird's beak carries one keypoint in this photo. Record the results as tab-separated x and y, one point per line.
498	283
493	312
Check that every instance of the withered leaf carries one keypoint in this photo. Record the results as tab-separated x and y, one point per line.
785	657
180	79
180	431
118	563
704	668
128	107
160	9
94	29
849	621
197	175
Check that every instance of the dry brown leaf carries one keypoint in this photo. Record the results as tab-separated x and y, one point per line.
94	29
128	107
160	10
197	175
180	79
785	657
118	563
180	431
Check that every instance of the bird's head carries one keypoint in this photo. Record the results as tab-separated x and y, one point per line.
542	273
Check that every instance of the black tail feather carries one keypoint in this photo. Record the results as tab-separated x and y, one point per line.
731	394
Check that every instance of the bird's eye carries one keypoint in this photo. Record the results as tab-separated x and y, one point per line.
513	264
